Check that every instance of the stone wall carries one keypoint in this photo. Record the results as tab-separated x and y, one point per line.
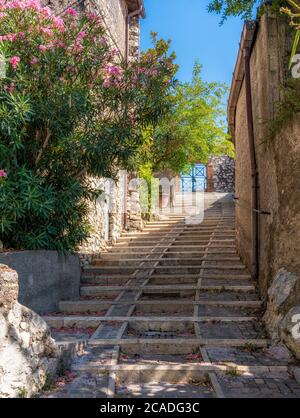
45	278
278	168
221	172
134	37
28	354
106	216
114	13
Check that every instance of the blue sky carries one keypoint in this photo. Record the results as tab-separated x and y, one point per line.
195	34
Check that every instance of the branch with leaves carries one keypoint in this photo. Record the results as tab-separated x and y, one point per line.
293	12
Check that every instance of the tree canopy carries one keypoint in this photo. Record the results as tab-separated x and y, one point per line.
193	130
244	8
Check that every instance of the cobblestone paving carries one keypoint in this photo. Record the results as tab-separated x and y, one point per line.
188	326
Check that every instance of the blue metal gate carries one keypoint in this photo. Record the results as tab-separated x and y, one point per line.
195	180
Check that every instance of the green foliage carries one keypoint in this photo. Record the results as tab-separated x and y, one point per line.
233	372
69	109
193	130
286	109
293	12
243	8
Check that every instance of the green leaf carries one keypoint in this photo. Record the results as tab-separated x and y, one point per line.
294	49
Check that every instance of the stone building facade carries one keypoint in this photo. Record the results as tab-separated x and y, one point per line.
267	43
118	207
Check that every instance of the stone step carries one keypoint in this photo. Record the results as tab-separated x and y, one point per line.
166	261
181	239
179	248
140	346
177	371
100	290
168	279
163	269
167	305
165	323
143	253
179	234
182	230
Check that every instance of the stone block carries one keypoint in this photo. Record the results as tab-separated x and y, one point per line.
289	330
45	278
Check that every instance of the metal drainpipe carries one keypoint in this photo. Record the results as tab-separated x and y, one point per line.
254	169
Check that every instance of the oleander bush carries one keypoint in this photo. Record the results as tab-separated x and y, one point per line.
70	108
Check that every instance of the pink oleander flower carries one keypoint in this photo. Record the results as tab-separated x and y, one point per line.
46	11
21	35
70	11
77	47
10	37
112	70
34	60
60	44
104	41
115	51
42	48
3	173
58	22
14	61
2	15
93	17
47	31
33	4
107	83
81	35
11	88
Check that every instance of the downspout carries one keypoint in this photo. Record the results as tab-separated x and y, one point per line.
254	168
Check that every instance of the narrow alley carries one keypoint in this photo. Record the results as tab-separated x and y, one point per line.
172	312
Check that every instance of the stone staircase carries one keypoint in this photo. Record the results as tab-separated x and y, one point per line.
172	312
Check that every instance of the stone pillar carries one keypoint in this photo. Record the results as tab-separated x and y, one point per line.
134	210
209	178
134	38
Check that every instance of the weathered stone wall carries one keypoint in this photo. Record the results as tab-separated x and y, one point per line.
223	173
28	354
106	216
114	13
278	166
45	278
134	37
